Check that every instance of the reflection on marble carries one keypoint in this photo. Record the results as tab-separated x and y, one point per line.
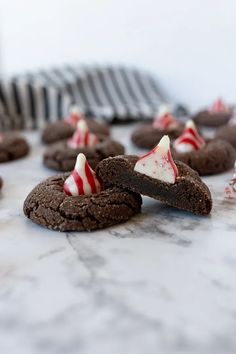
162	283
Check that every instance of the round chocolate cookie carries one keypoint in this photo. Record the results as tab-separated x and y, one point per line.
147	137
215	157
60	157
49	206
12	147
61	130
208	119
227	133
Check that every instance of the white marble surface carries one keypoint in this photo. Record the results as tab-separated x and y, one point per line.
165	282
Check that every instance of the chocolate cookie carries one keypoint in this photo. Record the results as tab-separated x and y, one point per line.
49	206
210	119
61	130
146	136
12	147
227	133
187	193
215	157
61	157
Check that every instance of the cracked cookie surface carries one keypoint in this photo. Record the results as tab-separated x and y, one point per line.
60	157
215	157
13	147
49	206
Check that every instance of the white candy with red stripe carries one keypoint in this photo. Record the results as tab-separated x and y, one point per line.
164	119
219	106
158	163
83	180
189	140
75	115
82	137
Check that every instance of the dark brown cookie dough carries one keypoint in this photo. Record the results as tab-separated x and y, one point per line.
60	130
227	133
208	119
147	137
49	206
215	157
13	147
187	193
60	157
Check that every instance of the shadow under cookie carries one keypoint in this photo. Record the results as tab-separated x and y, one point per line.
61	130
49	206
60	157
188	192
147	137
1	183
227	133
13	147
208	119
215	157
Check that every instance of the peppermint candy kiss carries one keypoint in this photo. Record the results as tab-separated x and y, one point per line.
189	140
164	119
82	137
83	180
75	116
158	163
219	106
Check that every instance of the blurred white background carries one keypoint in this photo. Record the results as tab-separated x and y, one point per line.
188	44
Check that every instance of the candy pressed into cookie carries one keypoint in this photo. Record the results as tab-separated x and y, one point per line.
62	156
156	175
147	135
12	147
218	114
62	130
79	202
206	157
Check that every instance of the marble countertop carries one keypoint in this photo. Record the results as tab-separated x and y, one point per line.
162	283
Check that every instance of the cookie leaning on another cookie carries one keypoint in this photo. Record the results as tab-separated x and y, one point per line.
156	175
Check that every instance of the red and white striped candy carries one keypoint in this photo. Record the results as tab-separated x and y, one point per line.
74	116
164	119
83	180
219	106
82	137
158	163
189	140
